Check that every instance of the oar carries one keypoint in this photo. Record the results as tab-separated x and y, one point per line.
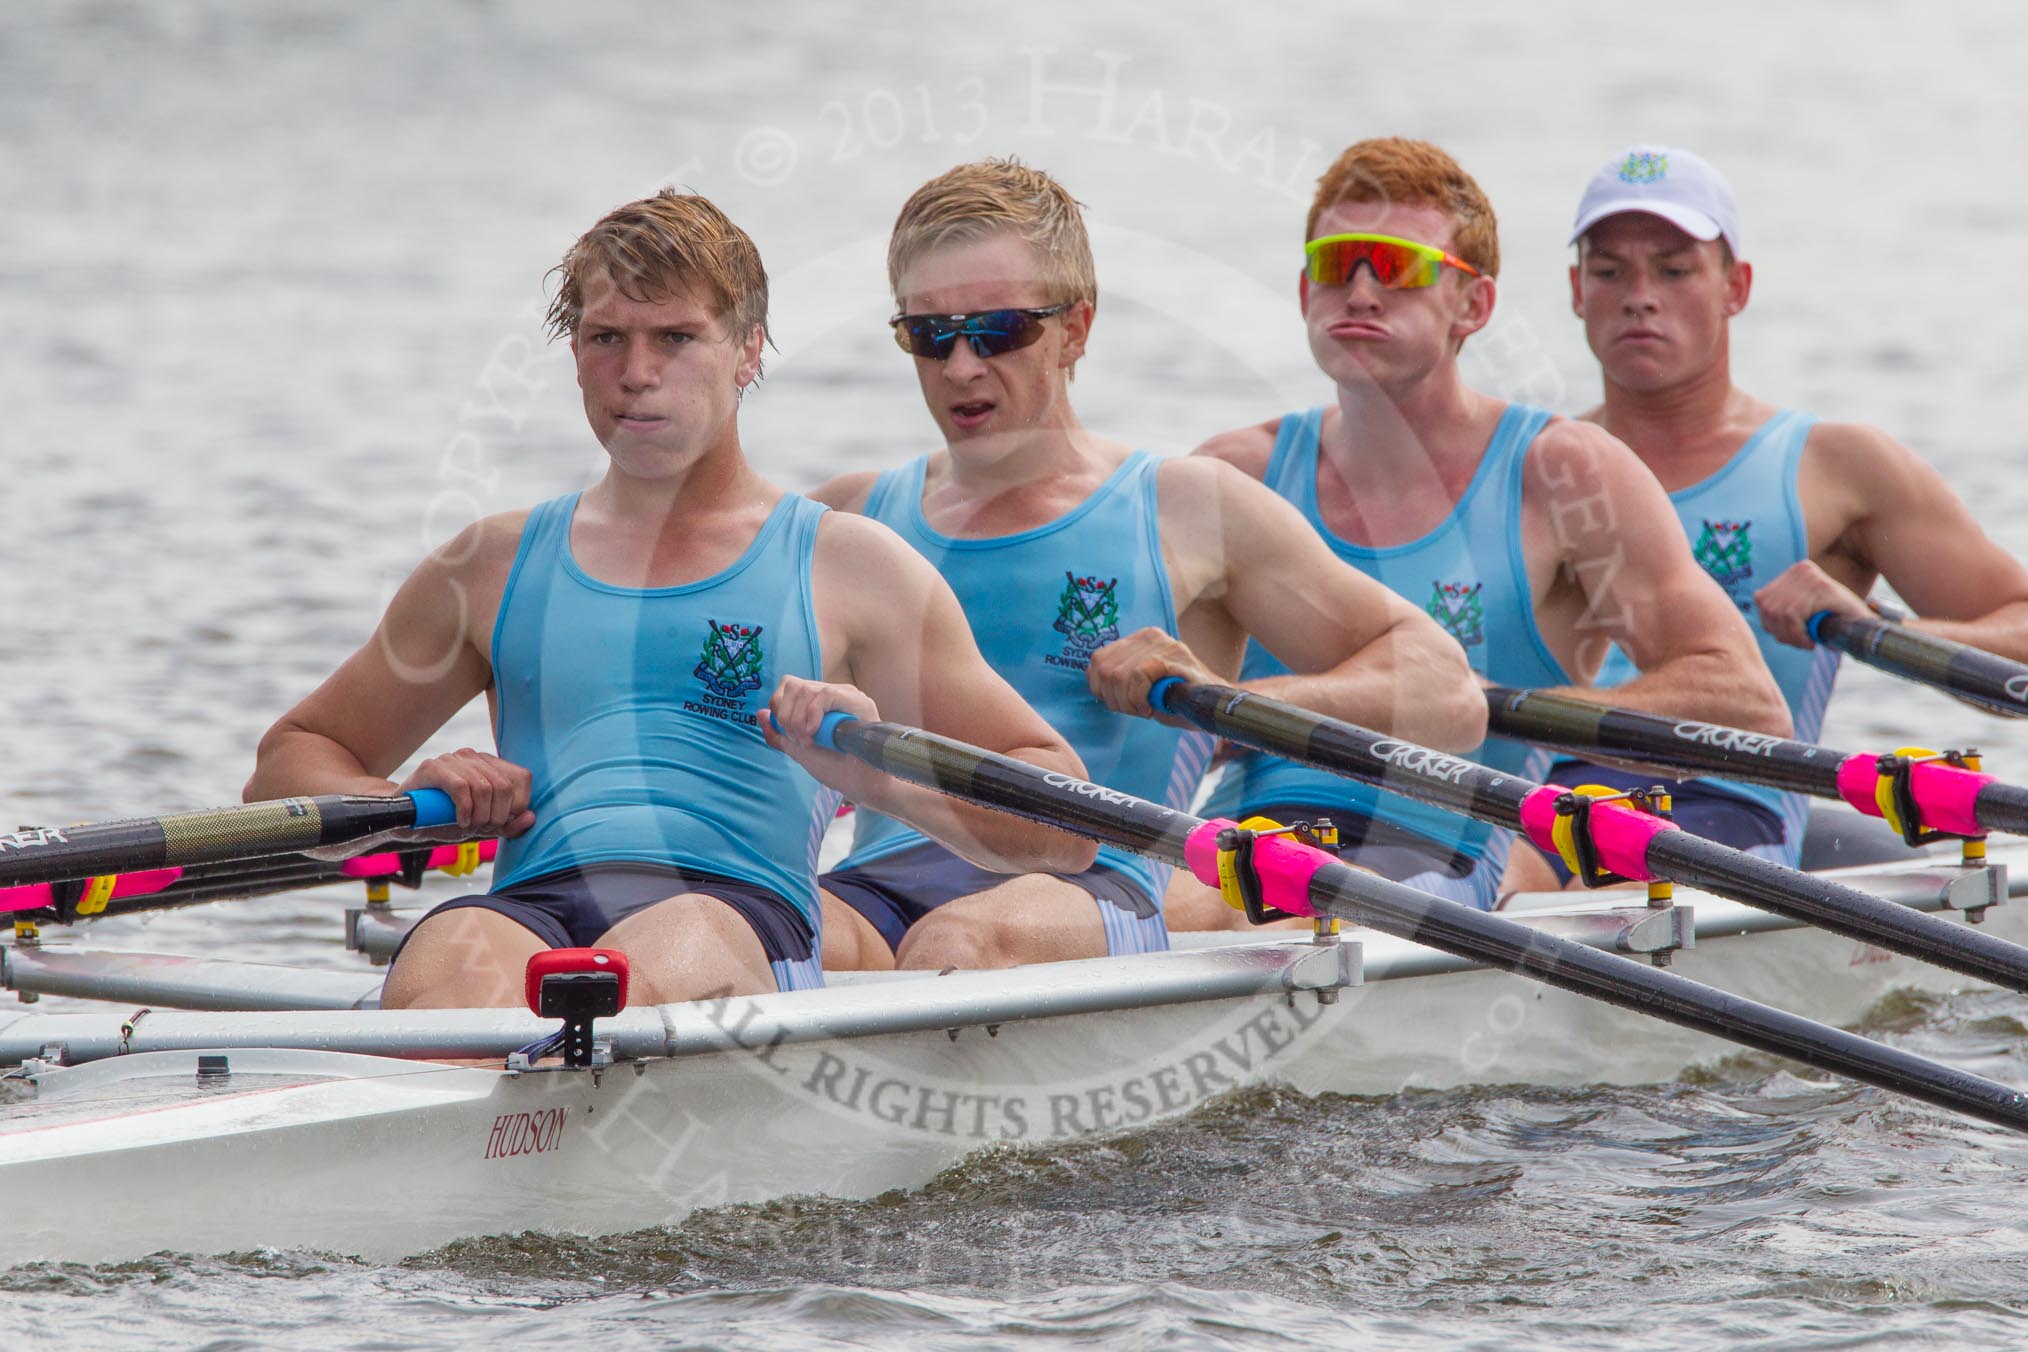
1303	881
1912	790
161	888
50	854
1626	841
1994	683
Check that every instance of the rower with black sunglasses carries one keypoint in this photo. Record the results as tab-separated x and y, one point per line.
658	653
1537	541
1088	570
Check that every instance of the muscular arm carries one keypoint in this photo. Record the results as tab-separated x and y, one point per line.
893	629
417	670
1878	510
1623	573
1360	652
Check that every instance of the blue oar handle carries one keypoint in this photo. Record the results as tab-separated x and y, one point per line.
1815	623
1159	692
433	807
827	728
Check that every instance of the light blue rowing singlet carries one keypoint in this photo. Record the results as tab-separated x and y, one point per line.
1040	603
635	710
1746	526
1470	575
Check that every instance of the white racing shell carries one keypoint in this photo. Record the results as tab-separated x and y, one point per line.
322	1129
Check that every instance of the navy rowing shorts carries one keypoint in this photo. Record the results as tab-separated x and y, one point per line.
1698	806
574	907
896	890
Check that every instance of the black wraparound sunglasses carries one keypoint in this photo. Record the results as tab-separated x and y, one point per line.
990	332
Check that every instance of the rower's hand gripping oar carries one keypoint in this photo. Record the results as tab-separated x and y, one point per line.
1596	836
242	831
1303	881
1994	683
1924	795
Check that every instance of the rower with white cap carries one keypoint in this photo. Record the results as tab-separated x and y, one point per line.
1790	515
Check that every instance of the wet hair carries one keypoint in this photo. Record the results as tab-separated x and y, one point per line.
1393	169
998	196
669	242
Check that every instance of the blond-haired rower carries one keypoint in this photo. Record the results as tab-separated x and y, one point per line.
632	642
1088	570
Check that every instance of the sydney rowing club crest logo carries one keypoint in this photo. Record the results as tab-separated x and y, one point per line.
1725	550
1459	608
1088	613
730	665
1644	167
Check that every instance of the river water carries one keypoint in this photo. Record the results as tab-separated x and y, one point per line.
271	280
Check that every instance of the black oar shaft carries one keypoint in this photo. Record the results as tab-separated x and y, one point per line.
1993	682
1706	748
1018	788
1485	938
1414	771
1477	936
2003	807
1697	862
1463	786
1682	744
242	831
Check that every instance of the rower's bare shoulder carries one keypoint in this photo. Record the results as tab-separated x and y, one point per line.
1246	448
458	585
847	492
1198	492
1569	453
859	551
873	594
1847	451
483	551
1853	474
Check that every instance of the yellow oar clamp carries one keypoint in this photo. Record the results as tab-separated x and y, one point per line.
1894	790
81	896
468	860
1238	880
1238	883
1572	829
97	892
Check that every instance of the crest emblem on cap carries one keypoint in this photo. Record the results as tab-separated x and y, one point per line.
1644	166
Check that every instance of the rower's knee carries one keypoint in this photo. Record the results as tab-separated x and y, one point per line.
467	958
945	939
690	947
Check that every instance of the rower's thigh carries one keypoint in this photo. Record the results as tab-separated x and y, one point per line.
1189	905
690	947
1032	917
851	943
465	958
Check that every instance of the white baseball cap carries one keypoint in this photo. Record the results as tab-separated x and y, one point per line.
1682	188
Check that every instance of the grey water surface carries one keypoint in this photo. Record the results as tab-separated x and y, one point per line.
270	298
